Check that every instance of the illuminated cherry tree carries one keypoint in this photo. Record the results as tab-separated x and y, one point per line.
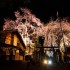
28	25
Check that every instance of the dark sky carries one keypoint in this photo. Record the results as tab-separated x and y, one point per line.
43	9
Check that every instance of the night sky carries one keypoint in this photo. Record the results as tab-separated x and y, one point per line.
43	9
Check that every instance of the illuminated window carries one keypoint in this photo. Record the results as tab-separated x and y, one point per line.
15	40
14	51
7	51
17	51
8	39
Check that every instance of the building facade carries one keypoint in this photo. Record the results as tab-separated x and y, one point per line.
12	46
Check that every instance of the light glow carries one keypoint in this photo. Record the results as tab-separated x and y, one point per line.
50	62
45	61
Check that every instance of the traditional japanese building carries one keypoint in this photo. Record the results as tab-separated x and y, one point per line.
12	46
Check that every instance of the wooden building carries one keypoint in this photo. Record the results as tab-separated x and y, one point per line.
12	46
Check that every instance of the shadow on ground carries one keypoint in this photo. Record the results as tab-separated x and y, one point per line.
19	65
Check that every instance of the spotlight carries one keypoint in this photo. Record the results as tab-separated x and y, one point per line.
50	62
45	62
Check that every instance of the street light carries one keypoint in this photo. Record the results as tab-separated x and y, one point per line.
45	61
48	62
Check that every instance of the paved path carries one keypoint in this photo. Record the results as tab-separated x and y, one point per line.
24	66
